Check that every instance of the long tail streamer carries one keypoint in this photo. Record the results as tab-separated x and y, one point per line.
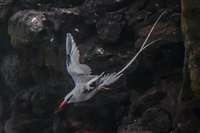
143	45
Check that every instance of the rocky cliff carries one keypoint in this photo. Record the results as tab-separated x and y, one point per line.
108	33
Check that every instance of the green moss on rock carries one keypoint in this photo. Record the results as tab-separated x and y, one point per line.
194	64
190	28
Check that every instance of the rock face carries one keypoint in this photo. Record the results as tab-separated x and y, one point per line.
190	94
108	33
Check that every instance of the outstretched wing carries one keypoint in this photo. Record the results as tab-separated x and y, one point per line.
109	79
74	68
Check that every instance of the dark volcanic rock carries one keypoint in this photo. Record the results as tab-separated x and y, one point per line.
29	3
16	74
34	79
65	20
93	10
5	46
25	27
35	4
35	33
36	27
155	111
109	27
68	3
5	9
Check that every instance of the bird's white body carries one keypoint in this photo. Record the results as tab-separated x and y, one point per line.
81	91
87	85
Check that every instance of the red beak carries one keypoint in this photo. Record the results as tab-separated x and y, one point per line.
62	104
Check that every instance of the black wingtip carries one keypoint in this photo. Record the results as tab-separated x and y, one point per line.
68	59
68	48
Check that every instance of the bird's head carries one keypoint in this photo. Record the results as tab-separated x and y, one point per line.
67	99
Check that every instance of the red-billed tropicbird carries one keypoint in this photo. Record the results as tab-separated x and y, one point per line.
87	85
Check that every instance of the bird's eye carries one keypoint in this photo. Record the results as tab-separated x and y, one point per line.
92	84
69	98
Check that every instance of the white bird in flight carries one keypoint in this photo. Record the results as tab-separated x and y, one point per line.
87	85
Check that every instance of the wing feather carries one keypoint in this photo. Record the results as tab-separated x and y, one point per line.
109	79
73	65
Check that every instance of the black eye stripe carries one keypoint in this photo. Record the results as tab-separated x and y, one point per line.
69	98
92	84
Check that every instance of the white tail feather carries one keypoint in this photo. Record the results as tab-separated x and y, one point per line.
143	45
